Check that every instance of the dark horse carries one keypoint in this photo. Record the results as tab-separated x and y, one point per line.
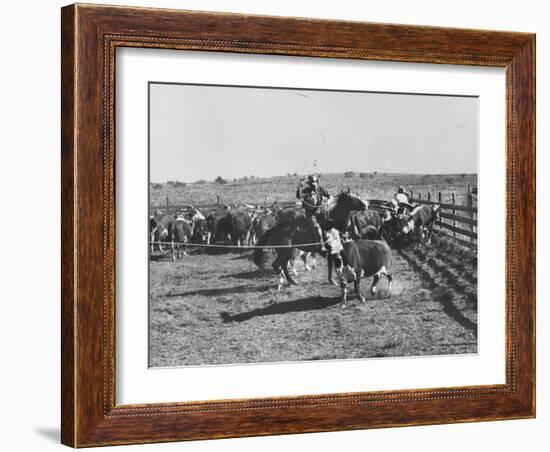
298	233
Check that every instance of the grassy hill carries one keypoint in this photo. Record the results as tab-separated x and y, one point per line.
283	188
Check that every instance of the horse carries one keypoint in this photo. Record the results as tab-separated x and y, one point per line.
298	233
365	225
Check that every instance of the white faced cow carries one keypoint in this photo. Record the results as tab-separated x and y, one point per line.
420	223
359	258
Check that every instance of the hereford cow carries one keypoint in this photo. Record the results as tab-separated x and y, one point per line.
359	258
180	234
200	231
218	225
159	225
419	225
240	222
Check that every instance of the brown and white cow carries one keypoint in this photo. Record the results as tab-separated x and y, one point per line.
359	258
419	224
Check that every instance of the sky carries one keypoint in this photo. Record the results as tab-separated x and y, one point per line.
204	131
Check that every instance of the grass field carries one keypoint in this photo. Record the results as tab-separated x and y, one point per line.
283	188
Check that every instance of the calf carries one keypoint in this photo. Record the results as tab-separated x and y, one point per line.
359	258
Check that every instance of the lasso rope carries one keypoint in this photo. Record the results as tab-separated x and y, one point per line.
247	247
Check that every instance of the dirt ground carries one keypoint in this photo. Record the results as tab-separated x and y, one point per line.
221	309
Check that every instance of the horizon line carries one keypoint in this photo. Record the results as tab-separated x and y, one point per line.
235	179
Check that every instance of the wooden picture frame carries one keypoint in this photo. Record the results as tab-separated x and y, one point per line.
90	35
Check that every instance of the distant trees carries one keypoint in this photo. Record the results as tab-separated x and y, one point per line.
176	183
349	174
220	180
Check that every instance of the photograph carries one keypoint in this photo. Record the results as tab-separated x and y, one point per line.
290	224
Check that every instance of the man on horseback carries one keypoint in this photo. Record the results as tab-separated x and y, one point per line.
311	194
401	202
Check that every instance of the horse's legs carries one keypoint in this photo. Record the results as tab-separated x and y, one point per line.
292	264
330	264
279	271
172	246
285	257
304	258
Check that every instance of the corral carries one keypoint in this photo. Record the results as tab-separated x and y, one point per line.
216	307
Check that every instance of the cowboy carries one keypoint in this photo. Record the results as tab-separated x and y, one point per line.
401	201
311	194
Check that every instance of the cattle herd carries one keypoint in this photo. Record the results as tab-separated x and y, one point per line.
362	247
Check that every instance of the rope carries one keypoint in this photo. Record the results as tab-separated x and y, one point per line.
246	247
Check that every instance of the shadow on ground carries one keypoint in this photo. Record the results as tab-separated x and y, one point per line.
222	291
253	274
305	304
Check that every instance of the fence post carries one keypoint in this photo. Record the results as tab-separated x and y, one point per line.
218	199
471	206
167	205
429	196
439	201
454	213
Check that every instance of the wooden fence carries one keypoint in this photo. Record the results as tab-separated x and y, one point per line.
458	221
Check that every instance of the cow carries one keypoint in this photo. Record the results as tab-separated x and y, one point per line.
158	230
180	232
239	227
260	225
218	226
419	224
199	232
359	258
288	214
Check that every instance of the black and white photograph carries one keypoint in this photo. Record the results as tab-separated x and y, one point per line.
292	224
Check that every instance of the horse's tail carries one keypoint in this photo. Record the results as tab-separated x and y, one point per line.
264	241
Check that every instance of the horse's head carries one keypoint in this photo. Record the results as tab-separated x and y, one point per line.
350	201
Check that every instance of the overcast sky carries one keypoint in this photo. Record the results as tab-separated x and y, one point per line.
201	132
